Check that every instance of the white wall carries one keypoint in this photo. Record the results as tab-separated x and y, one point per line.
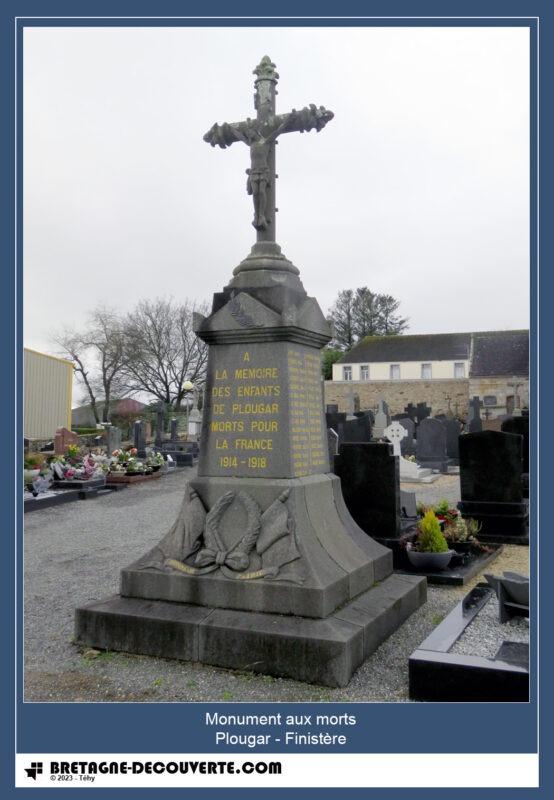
409	370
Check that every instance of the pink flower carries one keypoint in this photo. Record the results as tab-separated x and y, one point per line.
133	451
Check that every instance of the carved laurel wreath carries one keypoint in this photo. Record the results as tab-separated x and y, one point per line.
214	554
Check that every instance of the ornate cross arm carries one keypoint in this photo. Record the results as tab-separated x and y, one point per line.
228	133
306	119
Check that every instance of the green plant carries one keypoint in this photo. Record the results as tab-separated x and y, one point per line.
430	538
421	509
33	461
473	527
442	507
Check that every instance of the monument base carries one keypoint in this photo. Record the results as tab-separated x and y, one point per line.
502	523
320	651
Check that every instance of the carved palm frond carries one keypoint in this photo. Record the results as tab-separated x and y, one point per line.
211	536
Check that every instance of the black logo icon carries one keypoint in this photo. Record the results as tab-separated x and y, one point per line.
34	770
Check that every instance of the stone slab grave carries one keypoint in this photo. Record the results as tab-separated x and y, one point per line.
370	483
264	568
438	673
409	470
491	486
431	444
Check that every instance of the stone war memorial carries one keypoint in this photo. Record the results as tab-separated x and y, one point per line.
264	569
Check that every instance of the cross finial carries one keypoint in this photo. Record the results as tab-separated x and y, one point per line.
261	137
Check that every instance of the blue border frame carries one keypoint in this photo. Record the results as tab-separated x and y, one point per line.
382	727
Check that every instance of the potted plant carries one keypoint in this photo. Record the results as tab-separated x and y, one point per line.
154	461
32	465
431	552
461	534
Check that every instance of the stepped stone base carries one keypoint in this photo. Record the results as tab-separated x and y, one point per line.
321	651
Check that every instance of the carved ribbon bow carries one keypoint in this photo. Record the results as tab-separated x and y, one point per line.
214	554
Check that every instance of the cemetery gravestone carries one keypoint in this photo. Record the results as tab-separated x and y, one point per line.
370	483
422	411
453	431
139	437
113	439
331	408
264	566
407	445
491	487
475	423
62	439
355	430
334	419
382	420
332	446
160	419
431	444
395	433
519	425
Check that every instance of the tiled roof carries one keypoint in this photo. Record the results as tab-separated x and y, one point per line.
500	353
421	347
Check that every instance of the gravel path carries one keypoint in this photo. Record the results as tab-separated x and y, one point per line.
486	633
73	554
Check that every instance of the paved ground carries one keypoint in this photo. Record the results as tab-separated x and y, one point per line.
73	555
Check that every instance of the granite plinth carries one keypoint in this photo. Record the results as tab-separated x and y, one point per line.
506	523
321	651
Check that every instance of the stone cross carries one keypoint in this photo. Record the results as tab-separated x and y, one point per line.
395	432
260	135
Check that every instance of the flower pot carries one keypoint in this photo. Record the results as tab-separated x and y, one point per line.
29	475
429	562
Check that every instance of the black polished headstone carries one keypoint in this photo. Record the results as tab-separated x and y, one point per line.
431	444
519	425
333	420
491	486
332	408
355	430
370	481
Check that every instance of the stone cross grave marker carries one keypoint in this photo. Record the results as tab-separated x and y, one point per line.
395	432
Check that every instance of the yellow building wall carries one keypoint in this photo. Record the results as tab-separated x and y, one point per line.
47	390
409	370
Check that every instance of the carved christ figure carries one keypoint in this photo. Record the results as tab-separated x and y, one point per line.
260	136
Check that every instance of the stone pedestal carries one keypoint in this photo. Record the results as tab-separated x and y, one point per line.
264	569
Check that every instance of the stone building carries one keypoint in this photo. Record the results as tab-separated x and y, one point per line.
443	370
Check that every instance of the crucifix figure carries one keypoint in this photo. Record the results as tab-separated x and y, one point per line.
260	135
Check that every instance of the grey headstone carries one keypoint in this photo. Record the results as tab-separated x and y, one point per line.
431	444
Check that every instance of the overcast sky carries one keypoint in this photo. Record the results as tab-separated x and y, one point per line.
419	187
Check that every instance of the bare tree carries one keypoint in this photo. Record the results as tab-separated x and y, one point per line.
97	356
71	345
161	350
